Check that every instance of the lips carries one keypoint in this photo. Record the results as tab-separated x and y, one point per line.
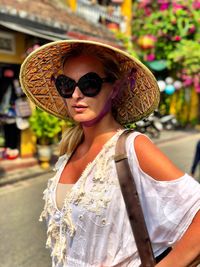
79	107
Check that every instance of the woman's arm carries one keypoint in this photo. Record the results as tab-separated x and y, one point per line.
187	248
153	162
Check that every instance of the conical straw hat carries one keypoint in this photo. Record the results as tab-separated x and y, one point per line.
36	81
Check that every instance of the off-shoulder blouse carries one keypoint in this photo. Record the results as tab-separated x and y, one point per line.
92	229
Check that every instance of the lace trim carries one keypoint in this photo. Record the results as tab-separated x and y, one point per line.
97	197
60	223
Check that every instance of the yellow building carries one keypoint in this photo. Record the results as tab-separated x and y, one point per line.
114	14
13	45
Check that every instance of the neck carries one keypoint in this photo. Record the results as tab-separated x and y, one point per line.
104	128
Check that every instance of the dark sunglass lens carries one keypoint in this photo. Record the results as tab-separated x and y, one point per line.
65	86
90	84
91	88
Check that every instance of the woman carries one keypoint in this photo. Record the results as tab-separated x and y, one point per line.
101	89
196	159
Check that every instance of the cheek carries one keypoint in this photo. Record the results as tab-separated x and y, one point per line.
104	95
99	102
96	106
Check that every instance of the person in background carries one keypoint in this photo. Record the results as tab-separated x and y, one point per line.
196	159
8	115
102	89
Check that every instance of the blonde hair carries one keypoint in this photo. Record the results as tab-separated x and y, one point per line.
72	137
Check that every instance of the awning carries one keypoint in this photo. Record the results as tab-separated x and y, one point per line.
54	36
51	36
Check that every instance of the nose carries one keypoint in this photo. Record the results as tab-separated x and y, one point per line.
77	93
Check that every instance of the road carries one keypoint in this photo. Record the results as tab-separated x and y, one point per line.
181	151
23	237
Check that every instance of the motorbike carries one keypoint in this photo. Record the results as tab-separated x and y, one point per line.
168	121
150	126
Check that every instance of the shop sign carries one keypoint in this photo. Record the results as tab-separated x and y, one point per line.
7	43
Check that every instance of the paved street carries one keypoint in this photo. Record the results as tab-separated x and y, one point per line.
181	151
23	237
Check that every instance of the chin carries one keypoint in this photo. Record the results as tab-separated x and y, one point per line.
82	118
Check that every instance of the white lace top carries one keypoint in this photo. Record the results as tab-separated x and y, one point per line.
92	228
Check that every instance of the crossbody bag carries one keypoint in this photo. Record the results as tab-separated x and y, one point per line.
132	202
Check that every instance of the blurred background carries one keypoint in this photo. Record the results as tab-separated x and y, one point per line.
163	34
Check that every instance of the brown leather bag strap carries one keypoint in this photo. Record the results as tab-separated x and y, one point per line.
132	202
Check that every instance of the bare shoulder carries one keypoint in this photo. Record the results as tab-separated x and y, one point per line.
153	161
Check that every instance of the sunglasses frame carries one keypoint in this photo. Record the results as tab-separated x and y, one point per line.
59	81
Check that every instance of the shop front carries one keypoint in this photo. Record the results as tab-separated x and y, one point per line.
10	133
16	138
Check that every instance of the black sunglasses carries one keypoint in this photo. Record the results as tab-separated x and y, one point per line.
90	84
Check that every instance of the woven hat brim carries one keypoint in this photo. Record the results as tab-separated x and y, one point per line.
36	81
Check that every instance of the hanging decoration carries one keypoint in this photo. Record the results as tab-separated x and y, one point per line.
161	85
169	85
169	89
30	50
169	80
157	65
146	41
178	84
8	73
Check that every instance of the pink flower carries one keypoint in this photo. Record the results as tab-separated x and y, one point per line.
147	11
153	37
164	6
177	6
150	57
192	29
196	4
144	3
177	38
197	89
197	83
187	80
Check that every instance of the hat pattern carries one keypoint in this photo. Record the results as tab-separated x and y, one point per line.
140	101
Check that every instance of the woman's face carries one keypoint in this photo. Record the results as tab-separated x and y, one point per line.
83	108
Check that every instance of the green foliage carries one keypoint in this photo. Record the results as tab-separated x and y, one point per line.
127	44
186	55
2	141
45	126
169	31
168	26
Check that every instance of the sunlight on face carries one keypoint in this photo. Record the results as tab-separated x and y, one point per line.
83	108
